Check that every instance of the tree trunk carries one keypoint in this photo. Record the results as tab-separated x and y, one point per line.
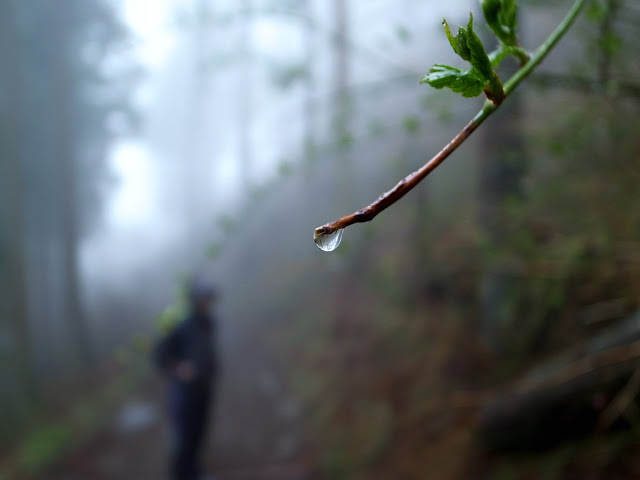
341	116
13	288
245	95
502	167
66	180
309	104
342	107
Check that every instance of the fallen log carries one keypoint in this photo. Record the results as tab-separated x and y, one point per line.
592	388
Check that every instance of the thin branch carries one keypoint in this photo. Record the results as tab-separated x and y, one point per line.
407	184
622	403
617	357
585	85
335	35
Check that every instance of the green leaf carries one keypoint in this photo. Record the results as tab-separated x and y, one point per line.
469	47
465	82
470	83
479	58
502	18
458	42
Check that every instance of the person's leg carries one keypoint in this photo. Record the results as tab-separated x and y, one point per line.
189	420
179	463
200	419
182	461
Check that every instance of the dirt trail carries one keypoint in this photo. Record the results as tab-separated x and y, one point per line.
256	433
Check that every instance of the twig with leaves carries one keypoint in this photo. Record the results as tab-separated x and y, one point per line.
501	16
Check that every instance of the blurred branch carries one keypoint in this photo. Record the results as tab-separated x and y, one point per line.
334	36
622	404
309	21
613	357
585	85
407	184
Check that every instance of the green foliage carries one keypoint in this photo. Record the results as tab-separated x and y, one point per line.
169	317
608	42
376	128
438	105
226	224
403	34
411	124
258	192
285	168
502	18
345	140
598	10
140	343
460	81
469	47
469	83
285	77
43	447
214	250
175	312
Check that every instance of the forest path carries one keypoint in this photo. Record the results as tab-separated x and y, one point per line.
256	432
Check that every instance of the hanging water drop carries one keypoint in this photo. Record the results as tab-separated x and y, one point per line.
328	242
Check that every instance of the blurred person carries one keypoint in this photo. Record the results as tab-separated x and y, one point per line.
187	356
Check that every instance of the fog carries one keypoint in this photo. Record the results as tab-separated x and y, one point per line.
183	169
146	143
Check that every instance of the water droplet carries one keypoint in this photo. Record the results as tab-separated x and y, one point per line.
328	242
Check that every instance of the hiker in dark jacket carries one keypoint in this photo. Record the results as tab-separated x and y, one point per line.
187	357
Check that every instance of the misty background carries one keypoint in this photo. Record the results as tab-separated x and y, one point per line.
142	142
